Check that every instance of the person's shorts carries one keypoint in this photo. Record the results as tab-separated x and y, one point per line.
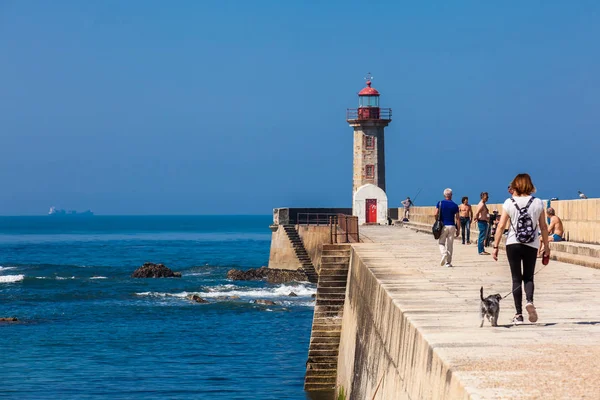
557	238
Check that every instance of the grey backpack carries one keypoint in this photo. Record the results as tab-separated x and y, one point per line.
524	228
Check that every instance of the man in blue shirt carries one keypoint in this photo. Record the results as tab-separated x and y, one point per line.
451	221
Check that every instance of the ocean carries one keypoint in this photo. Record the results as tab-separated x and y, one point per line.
87	330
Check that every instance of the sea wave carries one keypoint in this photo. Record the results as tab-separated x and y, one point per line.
58	278
162	294
300	290
283	290
2	268
219	288
230	290
11	278
204	273
98	277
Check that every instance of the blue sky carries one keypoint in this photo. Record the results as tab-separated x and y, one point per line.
198	107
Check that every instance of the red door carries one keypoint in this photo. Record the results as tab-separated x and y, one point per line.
371	211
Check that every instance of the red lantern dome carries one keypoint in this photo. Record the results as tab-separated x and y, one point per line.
368	91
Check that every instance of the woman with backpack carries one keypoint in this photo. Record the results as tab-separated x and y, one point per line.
525	214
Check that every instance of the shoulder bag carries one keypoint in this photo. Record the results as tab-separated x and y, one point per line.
438	226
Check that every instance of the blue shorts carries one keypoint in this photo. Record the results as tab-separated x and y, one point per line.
557	238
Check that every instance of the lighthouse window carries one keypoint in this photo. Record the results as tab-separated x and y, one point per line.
370	171
370	142
369	101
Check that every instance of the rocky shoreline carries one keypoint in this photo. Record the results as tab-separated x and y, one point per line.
271	275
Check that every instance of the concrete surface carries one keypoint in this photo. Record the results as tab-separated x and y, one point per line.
426	341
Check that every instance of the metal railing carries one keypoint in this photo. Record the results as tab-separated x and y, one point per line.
343	229
369	113
317	219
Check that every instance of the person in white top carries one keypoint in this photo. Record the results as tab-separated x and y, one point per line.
525	214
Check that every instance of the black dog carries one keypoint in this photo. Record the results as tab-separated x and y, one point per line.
490	308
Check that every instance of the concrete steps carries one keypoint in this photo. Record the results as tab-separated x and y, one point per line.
321	367
301	253
585	261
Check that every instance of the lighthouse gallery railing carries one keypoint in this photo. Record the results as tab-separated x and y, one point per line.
368	113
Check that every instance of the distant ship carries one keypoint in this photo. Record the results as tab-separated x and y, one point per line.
56	212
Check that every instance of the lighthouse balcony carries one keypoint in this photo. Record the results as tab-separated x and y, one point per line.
369	113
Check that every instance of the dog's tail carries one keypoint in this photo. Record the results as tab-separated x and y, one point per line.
481	293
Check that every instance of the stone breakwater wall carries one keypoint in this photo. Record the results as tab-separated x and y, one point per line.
382	353
581	218
282	255
311	225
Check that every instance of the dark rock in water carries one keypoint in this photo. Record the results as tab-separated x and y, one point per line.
292	294
9	319
151	270
264	302
196	298
313	296
272	275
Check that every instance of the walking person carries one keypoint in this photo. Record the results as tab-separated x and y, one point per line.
449	214
482	217
466	215
525	214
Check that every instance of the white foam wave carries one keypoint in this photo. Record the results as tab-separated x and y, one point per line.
6	268
160	294
197	273
297	303
11	278
98	277
300	290
230	290
219	288
62	278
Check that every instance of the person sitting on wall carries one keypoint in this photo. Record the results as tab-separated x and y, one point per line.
556	231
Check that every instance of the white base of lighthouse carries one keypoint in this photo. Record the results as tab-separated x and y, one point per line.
370	205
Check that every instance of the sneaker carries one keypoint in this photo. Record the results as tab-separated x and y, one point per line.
517	319
484	253
443	262
533	317
448	265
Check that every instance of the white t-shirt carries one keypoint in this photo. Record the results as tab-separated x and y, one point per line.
536	208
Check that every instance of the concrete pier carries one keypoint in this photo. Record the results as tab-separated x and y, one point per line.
410	327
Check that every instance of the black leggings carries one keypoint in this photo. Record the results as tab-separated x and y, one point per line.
516	254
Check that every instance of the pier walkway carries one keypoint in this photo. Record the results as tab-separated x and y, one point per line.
556	358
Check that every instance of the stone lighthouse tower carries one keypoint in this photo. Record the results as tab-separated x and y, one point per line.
368	182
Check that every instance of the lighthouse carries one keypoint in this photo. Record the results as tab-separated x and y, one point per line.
369	201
